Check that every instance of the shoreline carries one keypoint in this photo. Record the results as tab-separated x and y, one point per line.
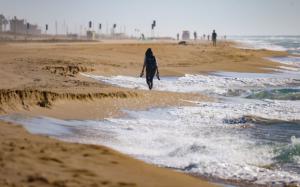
81	169
113	67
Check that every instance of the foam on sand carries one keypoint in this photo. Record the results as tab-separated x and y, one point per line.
235	138
195	139
219	83
292	61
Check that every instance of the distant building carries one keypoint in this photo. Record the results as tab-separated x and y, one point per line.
19	26
72	36
91	35
185	35
119	35
162	38
3	23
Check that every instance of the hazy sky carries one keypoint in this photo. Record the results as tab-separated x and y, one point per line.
231	17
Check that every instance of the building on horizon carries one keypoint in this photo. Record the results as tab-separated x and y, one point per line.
91	35
3	23
19	26
185	35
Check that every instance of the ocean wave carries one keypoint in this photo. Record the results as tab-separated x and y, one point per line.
274	43
291	69
289	153
258	45
258	120
195	139
219	84
276	94
294	48
289	60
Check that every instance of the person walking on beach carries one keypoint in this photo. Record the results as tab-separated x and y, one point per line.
151	68
214	38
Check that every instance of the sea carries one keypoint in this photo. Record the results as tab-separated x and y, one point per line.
248	136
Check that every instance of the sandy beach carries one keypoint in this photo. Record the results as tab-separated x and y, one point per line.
44	79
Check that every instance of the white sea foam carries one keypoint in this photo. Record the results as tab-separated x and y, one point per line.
220	83
256	45
274	43
289	68
197	139
194	139
289	60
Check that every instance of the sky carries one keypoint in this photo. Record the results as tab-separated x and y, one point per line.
227	17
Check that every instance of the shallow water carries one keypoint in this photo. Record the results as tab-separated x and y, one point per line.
219	83
276	94
200	139
290	44
248	135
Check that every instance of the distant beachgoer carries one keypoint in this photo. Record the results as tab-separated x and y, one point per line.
204	36
208	37
177	36
214	38
195	35
151	68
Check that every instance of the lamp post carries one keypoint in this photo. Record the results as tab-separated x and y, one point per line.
46	28
27	29
100	28
152	28
113	30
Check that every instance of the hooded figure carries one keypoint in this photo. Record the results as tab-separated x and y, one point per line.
151	68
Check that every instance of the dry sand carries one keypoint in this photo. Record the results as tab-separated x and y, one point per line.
43	79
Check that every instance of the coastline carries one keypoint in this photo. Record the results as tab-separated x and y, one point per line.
55	75
29	160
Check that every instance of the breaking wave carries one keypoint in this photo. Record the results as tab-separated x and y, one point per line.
210	139
290	44
289	153
276	94
225	84
259	120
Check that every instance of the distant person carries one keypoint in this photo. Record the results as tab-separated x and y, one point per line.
214	38
195	35
151	68
204	36
208	37
177	36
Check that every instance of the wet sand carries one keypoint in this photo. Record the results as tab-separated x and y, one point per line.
28	160
44	79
